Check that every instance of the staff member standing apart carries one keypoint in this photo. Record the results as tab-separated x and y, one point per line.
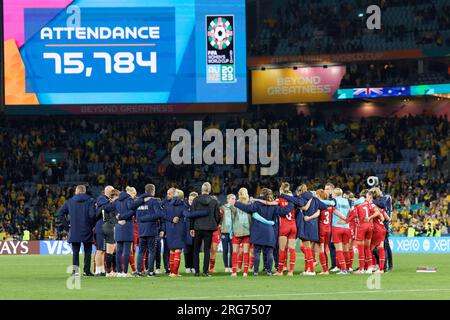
81	220
202	228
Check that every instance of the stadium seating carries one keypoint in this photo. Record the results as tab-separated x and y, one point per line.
309	27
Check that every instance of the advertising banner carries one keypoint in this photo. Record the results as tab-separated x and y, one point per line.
128	109
57	247
337	57
19	247
398	244
290	85
380	92
420	244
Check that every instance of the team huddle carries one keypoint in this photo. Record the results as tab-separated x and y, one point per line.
121	221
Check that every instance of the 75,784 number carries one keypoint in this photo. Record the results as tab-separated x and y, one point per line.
120	62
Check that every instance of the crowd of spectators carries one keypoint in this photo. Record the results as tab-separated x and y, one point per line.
313	149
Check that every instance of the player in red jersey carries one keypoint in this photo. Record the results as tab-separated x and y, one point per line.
287	235
379	231
364	230
214	245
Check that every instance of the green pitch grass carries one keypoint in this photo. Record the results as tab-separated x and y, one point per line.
45	277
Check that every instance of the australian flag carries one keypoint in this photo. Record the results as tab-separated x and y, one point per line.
381	92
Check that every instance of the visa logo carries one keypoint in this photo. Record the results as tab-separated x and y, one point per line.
57	247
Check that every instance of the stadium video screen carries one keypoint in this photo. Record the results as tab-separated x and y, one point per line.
124	51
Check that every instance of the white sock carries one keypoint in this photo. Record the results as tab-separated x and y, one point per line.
99	269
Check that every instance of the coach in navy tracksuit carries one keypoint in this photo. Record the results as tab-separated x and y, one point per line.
124	229
262	235
148	215
81	218
174	230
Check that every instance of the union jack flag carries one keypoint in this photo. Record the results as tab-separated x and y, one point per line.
367	92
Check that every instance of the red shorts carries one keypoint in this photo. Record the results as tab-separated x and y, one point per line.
240	240
364	232
325	236
341	235
216	237
288	230
378	235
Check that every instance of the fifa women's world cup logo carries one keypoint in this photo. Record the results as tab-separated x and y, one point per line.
220	49
220	33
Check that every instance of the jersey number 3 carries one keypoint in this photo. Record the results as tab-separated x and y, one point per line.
327	218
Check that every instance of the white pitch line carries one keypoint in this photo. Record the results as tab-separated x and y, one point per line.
308	294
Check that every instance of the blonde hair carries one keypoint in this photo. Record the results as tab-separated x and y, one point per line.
243	195
267	194
230	196
80	189
301	189
115	193
193	194
285	187
375	192
131	191
206	188
363	193
338	192
178	194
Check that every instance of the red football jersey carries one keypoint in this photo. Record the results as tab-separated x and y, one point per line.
325	219
364	210
377	220
352	222
290	217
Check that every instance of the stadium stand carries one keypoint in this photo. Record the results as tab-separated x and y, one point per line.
331	26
